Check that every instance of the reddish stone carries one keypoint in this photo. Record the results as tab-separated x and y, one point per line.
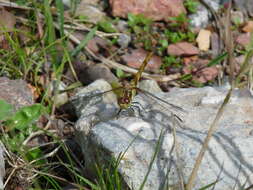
182	49
206	74
243	39
96	43
136	57
154	9
197	67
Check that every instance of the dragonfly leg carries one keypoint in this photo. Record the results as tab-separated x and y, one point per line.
178	121
137	107
126	112
134	110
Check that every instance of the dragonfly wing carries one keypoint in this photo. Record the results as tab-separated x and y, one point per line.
146	93
101	93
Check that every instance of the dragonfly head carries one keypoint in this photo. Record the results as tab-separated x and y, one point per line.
124	102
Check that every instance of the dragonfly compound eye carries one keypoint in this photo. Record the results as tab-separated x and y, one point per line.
126	100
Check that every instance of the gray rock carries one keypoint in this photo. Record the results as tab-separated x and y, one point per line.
229	157
237	18
122	26
150	86
59	98
90	100
200	19
2	168
97	71
91	11
67	3
245	6
124	40
15	92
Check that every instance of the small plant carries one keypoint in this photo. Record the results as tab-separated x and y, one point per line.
121	74
139	23
181	21
141	27
107	26
175	37
191	5
19	125
171	61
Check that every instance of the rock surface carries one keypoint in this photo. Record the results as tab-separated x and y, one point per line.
15	92
182	49
150	86
243	39
154	9
2	168
245	6
97	71
229	157
200	19
90	10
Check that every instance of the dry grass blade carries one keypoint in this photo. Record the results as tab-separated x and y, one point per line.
13	5
229	44
60	178
159	78
204	147
214	126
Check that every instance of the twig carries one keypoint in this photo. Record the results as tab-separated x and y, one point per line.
13	5
159	78
84	28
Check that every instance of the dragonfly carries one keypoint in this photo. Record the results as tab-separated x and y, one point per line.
126	91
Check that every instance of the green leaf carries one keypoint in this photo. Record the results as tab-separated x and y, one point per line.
25	116
186	77
139	19
5	110
107	26
84	42
34	154
209	185
120	73
191	5
164	43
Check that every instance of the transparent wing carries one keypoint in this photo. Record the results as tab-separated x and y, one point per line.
159	100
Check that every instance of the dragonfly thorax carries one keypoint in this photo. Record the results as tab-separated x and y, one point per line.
126	99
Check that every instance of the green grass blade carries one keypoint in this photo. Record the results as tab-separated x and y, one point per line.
157	149
209	185
217	60
60	10
50	31
84	42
